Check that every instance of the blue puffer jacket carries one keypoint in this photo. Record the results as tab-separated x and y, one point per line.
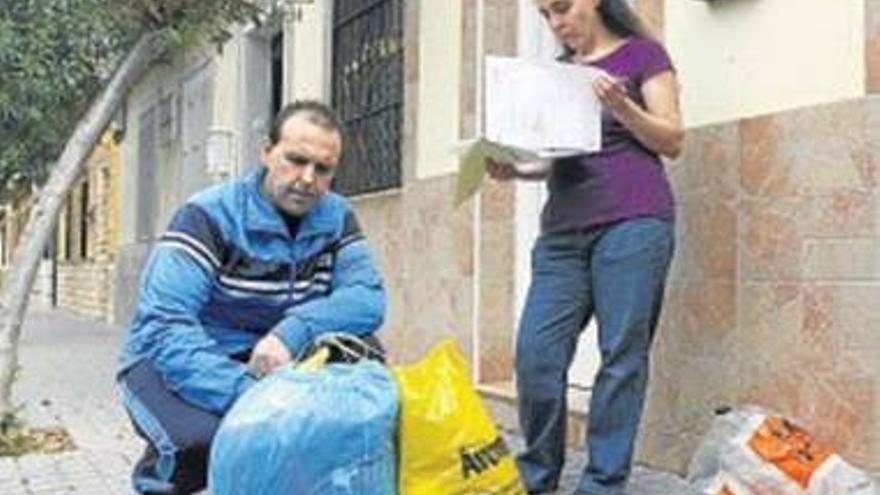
227	271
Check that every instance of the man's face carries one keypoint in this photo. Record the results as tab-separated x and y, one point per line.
300	166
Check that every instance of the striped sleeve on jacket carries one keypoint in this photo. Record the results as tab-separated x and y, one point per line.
176	285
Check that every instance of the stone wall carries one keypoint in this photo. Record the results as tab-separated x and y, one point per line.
87	289
85	276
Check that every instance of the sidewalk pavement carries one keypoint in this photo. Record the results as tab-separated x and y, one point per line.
66	379
67	366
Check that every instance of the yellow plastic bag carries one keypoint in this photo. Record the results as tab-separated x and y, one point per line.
448	443
316	361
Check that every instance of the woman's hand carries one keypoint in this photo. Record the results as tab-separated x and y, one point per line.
504	171
658	125
500	170
612	93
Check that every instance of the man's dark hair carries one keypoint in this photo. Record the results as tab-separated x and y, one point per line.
315	112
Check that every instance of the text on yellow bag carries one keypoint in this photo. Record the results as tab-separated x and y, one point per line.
448	442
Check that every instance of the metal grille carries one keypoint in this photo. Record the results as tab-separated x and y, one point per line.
368	92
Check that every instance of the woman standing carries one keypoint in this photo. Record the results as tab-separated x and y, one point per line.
605	246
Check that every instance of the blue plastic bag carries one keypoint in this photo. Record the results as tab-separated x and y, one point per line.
296	432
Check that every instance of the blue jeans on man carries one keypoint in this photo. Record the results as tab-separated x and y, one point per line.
616	273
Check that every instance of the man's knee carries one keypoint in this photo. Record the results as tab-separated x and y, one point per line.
179	434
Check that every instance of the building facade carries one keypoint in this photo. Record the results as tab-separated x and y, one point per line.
84	251
778	227
78	266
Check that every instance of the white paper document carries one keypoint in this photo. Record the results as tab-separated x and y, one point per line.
533	110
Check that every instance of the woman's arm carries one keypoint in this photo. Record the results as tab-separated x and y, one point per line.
658	126
504	171
538	170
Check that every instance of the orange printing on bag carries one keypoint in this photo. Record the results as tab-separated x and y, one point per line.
789	448
725	491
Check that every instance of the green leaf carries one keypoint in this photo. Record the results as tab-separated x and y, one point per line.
56	54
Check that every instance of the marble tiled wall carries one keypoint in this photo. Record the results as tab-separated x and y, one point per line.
700	313
809	271
497	321
424	248
495	261
773	294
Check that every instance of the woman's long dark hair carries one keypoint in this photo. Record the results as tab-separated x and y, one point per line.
620	19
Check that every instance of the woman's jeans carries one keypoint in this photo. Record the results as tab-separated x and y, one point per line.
617	273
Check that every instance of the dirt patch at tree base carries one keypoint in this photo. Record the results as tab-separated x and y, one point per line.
17	439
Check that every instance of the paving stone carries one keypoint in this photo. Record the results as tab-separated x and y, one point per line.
643	481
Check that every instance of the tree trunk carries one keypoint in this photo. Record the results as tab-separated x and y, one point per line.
44	215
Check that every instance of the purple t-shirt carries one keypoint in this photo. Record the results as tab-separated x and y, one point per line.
624	179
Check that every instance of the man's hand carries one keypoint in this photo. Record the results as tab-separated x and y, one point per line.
269	353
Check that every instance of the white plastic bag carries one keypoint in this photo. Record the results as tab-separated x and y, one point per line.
750	451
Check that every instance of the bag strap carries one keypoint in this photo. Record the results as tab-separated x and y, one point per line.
351	346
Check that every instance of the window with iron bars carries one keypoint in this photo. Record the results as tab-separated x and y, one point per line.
368	92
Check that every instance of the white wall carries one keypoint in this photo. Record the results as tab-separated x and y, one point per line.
439	86
163	80
139	98
226	97
308	52
738	58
